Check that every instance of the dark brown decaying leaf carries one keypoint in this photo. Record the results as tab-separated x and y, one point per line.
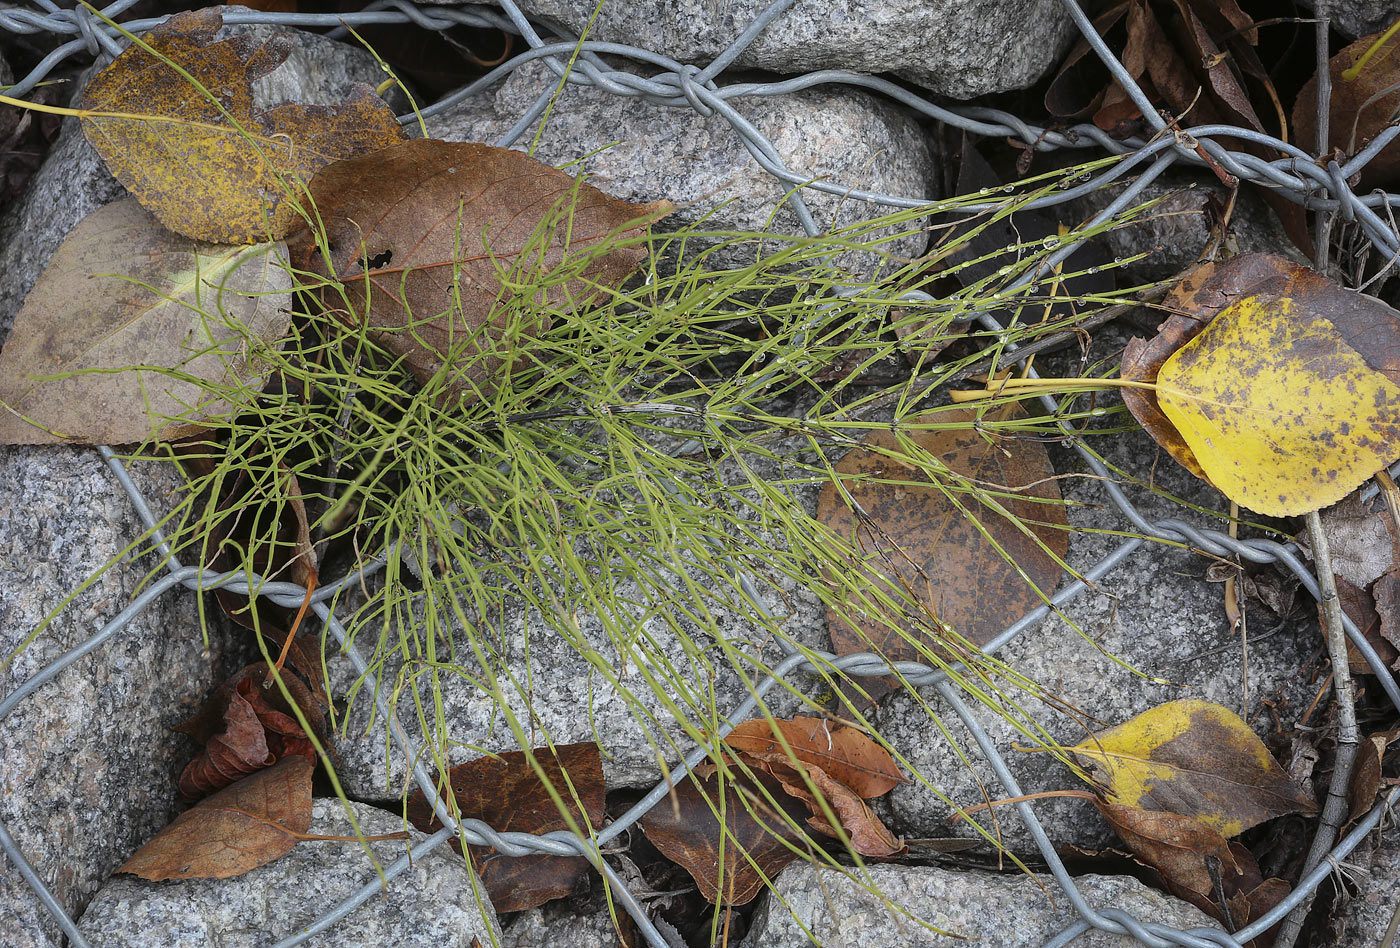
722	861
123	291
247	825
202	176
232	754
434	221
1360	607
935	551
1360	108
846	753
507	794
1189	856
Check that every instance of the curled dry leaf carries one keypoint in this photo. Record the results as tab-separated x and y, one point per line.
1287	397
132	332
247	825
232	754
420	233
728	862
213	168
1196	759
846	753
935	551
867	835
507	793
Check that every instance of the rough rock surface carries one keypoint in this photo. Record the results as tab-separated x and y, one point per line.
1357	18
844	136
1368	917
437	903
560	928
958	48
73	181
88	762
1009	911
1155	613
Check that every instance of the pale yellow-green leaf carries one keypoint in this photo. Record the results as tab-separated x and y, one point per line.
1282	414
1195	759
126	331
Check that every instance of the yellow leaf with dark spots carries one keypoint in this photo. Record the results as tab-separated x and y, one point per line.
1281	412
216	169
1195	759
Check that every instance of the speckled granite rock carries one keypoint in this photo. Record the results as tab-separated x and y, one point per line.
1367	918
433	904
73	181
844	136
958	48
1008	911
88	763
1357	18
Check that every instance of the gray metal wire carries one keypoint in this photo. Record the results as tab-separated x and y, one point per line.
1297	176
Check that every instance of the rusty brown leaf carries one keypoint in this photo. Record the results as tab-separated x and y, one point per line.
729	862
846	753
232	754
506	793
867	835
215	169
1361	108
936	552
1190	856
251	823
433	221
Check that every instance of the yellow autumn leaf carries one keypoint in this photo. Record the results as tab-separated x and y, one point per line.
1279	410
1195	759
217	170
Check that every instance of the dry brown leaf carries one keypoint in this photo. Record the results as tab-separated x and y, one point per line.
217	170
247	825
433	221
935	551
846	753
1361	108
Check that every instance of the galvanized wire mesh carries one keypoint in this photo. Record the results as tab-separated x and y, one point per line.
1317	184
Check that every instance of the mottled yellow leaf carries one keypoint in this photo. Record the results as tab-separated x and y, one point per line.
133	332
1280	411
1195	759
218	170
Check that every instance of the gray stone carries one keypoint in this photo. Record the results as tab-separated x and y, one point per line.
559	686
958	48
1152	631
1357	18
437	903
1012	910
844	136
1365	921
88	763
73	181
1175	231
555	925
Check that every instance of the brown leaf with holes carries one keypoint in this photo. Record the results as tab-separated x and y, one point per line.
846	753
917	538
215	169
1361	108
436	223
725	861
507	794
1190	856
251	823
